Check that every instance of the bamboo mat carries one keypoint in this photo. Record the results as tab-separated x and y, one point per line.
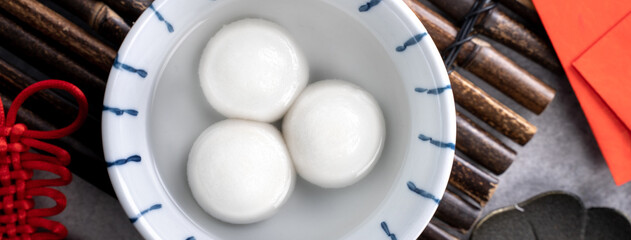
83	55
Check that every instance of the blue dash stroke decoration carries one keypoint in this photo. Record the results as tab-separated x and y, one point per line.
161	18
437	143
119	65
190	238
120	112
119	162
368	5
422	192
434	91
143	212
413	40
384	226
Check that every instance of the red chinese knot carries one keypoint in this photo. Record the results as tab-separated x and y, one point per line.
19	219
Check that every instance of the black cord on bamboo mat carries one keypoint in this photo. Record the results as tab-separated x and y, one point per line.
451	52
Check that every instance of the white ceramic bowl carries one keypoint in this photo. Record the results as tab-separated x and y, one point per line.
155	109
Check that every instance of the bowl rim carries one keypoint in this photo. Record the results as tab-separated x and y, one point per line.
122	123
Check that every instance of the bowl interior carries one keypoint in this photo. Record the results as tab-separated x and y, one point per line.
336	46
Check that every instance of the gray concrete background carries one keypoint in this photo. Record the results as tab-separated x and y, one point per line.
563	154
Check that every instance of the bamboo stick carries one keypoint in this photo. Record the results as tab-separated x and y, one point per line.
433	232
86	163
497	25
472	181
523	8
100	17
456	212
130	9
491	111
481	146
52	62
483	60
534	95
62	30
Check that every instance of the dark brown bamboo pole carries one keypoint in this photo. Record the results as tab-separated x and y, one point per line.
85	163
49	105
499	26
100	17
472	181
456	212
491	111
12	81
433	232
480	58
50	61
481	146
62	30
535	95
523	8
130	9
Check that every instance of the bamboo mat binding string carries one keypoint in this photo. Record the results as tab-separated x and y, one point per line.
497	25
451	52
487	62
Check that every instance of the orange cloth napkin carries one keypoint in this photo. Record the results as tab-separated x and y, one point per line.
593	41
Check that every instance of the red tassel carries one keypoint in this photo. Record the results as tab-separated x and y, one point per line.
19	219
